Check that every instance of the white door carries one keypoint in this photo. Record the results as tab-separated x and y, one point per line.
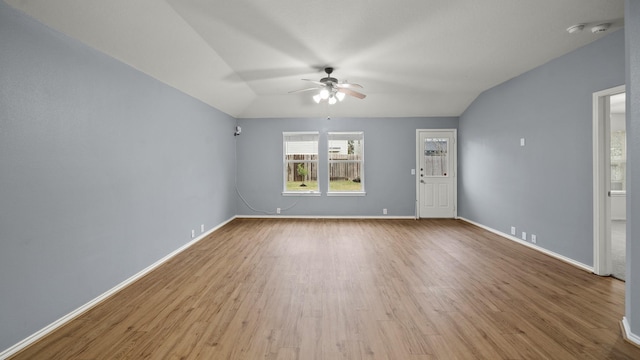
609	182
616	163
436	176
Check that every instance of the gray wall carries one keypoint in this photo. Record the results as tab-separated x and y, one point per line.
632	37
545	187
389	146
103	171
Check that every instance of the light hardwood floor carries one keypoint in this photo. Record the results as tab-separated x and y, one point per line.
353	289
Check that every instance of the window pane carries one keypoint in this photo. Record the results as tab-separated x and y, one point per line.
436	156
345	149
302	148
302	176
618	160
301	162
346	161
345	176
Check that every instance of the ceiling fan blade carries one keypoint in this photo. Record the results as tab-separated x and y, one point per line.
314	81
348	85
352	93
303	90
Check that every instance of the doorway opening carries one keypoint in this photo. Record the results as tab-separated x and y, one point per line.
609	182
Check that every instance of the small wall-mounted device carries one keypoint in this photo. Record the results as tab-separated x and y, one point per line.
575	28
238	131
600	28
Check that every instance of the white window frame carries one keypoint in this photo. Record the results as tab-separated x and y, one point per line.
285	136
357	135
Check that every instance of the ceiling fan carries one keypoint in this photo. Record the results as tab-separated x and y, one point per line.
331	90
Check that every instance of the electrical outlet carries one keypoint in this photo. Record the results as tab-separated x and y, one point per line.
384	211
202	228
524	235
193	234
513	230
521	141
277	210
534	239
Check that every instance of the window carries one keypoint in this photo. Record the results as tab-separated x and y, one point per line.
346	163
436	157
300	162
618	160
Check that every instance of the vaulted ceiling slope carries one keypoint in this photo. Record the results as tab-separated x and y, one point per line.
413	57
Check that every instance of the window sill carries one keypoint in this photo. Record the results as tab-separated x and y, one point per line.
301	193
347	193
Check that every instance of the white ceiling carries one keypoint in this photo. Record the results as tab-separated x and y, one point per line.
413	57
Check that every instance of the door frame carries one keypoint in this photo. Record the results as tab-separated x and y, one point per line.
454	170
601	207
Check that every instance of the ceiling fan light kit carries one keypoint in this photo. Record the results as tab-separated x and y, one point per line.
331	90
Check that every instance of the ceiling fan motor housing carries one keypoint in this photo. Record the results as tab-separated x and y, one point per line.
331	89
329	79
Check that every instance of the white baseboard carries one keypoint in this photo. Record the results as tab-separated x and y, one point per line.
628	335
84	308
383	217
533	246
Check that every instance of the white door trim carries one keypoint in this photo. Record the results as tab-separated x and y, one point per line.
455	169
601	246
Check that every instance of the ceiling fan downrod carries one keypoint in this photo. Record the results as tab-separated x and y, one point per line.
328	79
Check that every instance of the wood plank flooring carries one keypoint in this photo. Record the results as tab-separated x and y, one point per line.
353	289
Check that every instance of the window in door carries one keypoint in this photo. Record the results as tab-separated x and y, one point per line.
436	157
